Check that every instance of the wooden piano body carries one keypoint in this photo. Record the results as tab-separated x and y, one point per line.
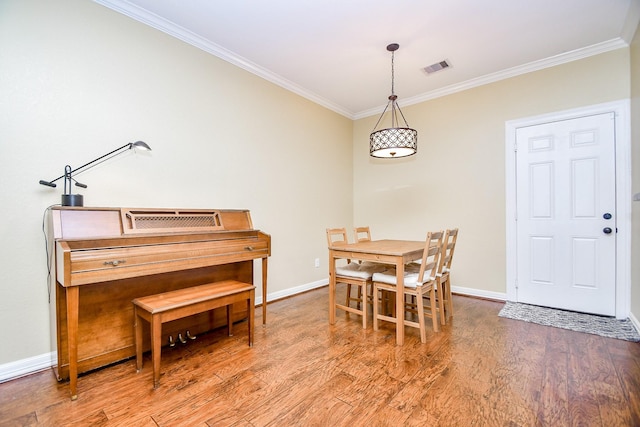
106	257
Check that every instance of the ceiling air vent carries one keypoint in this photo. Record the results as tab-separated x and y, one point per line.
437	67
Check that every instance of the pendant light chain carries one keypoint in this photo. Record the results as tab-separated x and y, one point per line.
393	92
394	117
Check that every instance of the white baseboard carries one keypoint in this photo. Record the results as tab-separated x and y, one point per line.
20	368
293	291
500	296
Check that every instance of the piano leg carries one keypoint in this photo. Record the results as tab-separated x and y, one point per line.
251	309
264	291
72	338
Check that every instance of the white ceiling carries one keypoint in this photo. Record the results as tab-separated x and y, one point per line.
334	51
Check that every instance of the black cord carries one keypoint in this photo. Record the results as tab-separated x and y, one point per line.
46	249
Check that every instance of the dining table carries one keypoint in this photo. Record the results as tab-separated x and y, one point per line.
396	253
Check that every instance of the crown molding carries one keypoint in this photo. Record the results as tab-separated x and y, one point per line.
552	61
174	30
170	28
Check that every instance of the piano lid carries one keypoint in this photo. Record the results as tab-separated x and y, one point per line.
83	222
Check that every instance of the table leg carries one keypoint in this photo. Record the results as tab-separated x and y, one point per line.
400	302
72	338
332	288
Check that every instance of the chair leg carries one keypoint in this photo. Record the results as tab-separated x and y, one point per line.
392	302
348	296
434	316
421	321
449	302
364	305
440	298
375	307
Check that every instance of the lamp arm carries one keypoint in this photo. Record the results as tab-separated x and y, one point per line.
79	169
51	183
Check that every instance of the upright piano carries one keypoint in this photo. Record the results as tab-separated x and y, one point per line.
106	257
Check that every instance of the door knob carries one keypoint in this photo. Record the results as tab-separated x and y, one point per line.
606	216
607	230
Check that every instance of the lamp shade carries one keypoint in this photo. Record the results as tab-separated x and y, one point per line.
393	142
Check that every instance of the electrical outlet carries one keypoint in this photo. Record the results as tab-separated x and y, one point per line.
317	262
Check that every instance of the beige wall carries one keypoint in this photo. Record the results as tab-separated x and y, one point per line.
458	176
78	80
635	147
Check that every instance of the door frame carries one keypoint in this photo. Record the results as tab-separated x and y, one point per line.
621	109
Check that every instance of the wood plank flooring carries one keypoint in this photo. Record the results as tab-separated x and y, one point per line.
480	370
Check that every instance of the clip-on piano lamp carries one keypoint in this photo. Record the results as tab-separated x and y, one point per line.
76	199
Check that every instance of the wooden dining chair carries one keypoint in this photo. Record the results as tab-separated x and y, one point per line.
448	248
362	234
420	279
339	236
443	291
352	274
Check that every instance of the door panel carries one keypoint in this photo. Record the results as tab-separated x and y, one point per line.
565	175
584	272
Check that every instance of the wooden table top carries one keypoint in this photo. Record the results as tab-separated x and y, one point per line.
382	247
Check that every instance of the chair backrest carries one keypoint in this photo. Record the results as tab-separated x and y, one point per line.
362	234
430	262
448	248
336	236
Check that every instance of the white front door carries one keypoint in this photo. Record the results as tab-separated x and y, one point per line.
566	214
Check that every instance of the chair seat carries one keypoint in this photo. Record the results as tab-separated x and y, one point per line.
359	271
411	273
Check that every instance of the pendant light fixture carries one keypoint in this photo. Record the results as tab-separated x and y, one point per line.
394	141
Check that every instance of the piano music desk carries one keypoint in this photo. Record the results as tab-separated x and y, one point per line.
168	306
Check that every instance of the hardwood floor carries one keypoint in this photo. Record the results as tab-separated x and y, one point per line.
480	370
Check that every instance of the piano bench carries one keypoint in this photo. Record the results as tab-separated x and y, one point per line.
165	307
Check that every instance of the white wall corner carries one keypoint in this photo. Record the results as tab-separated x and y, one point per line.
635	322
